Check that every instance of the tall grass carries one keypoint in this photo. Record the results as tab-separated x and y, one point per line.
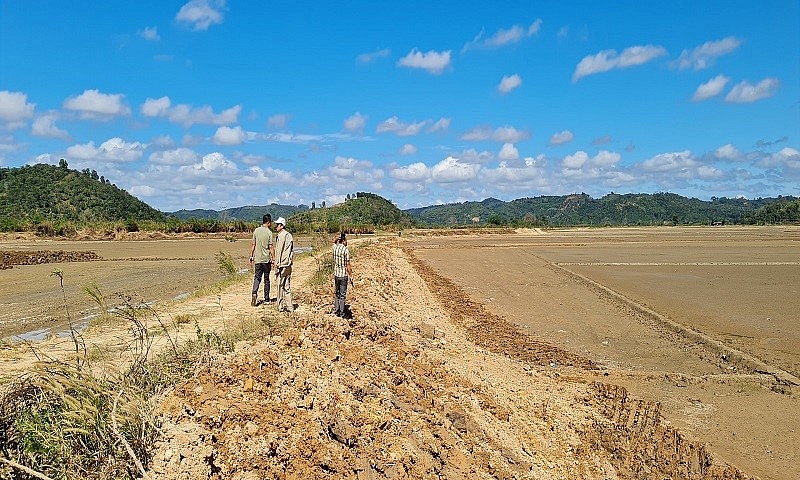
73	419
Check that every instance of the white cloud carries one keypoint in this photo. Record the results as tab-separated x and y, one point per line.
15	109
508	153
142	191
279	121
187	115
669	162
408	149
416	172
608	60
93	105
212	165
229	136
747	93
501	134
201	14
561	138
45	126
728	152
355	123
505	36
441	125
787	156
372	56
704	55
150	34
402	129
508	83
605	159
112	150
178	156
708	172
452	170
432	61
576	161
711	88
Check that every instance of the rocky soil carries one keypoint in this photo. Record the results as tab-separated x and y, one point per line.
10	258
422	382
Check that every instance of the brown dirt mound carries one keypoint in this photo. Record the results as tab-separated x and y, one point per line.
404	390
10	258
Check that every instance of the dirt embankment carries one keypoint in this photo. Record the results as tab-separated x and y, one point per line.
417	385
10	258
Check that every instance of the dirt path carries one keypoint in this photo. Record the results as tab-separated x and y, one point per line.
412	387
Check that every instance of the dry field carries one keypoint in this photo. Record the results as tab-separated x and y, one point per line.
703	320
602	353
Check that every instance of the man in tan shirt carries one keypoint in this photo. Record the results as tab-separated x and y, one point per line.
284	246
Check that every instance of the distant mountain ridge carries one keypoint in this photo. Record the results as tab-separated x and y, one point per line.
250	213
610	210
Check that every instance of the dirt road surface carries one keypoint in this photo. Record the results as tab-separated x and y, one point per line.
530	365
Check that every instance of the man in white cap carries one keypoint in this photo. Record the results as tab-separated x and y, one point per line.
284	244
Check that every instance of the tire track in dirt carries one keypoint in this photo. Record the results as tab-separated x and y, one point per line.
717	349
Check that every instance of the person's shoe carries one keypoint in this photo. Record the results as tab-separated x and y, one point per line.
253	300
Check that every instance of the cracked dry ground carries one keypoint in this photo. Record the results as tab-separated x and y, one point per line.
421	383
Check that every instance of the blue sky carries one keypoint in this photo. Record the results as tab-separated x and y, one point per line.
216	104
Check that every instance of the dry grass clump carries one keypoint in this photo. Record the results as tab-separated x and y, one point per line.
79	420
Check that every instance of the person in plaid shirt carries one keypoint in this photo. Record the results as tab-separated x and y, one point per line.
342	273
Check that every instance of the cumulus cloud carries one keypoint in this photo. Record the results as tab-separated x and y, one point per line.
704	55
669	162
728	152
372	56
150	34
609	59
603	160
711	88
433	62
178	156
93	105
508	153
15	109
201	14
508	83
408	149
229	136
402	129
416	172
452	170
744	92
187	115
113	150
788	157
505	134
212	165
561	138
45	126
505	36
355	123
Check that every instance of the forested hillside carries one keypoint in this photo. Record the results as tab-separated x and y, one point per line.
33	194
610	210
250	213
364	212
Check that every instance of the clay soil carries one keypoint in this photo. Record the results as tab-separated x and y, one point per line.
543	354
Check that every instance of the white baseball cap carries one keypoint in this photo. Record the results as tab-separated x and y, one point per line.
281	220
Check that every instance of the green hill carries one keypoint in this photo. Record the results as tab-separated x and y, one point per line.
31	195
250	213
610	210
363	213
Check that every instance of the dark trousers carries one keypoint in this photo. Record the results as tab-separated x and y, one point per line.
262	270
340	286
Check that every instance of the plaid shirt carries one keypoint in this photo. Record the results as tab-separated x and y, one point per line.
341	256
